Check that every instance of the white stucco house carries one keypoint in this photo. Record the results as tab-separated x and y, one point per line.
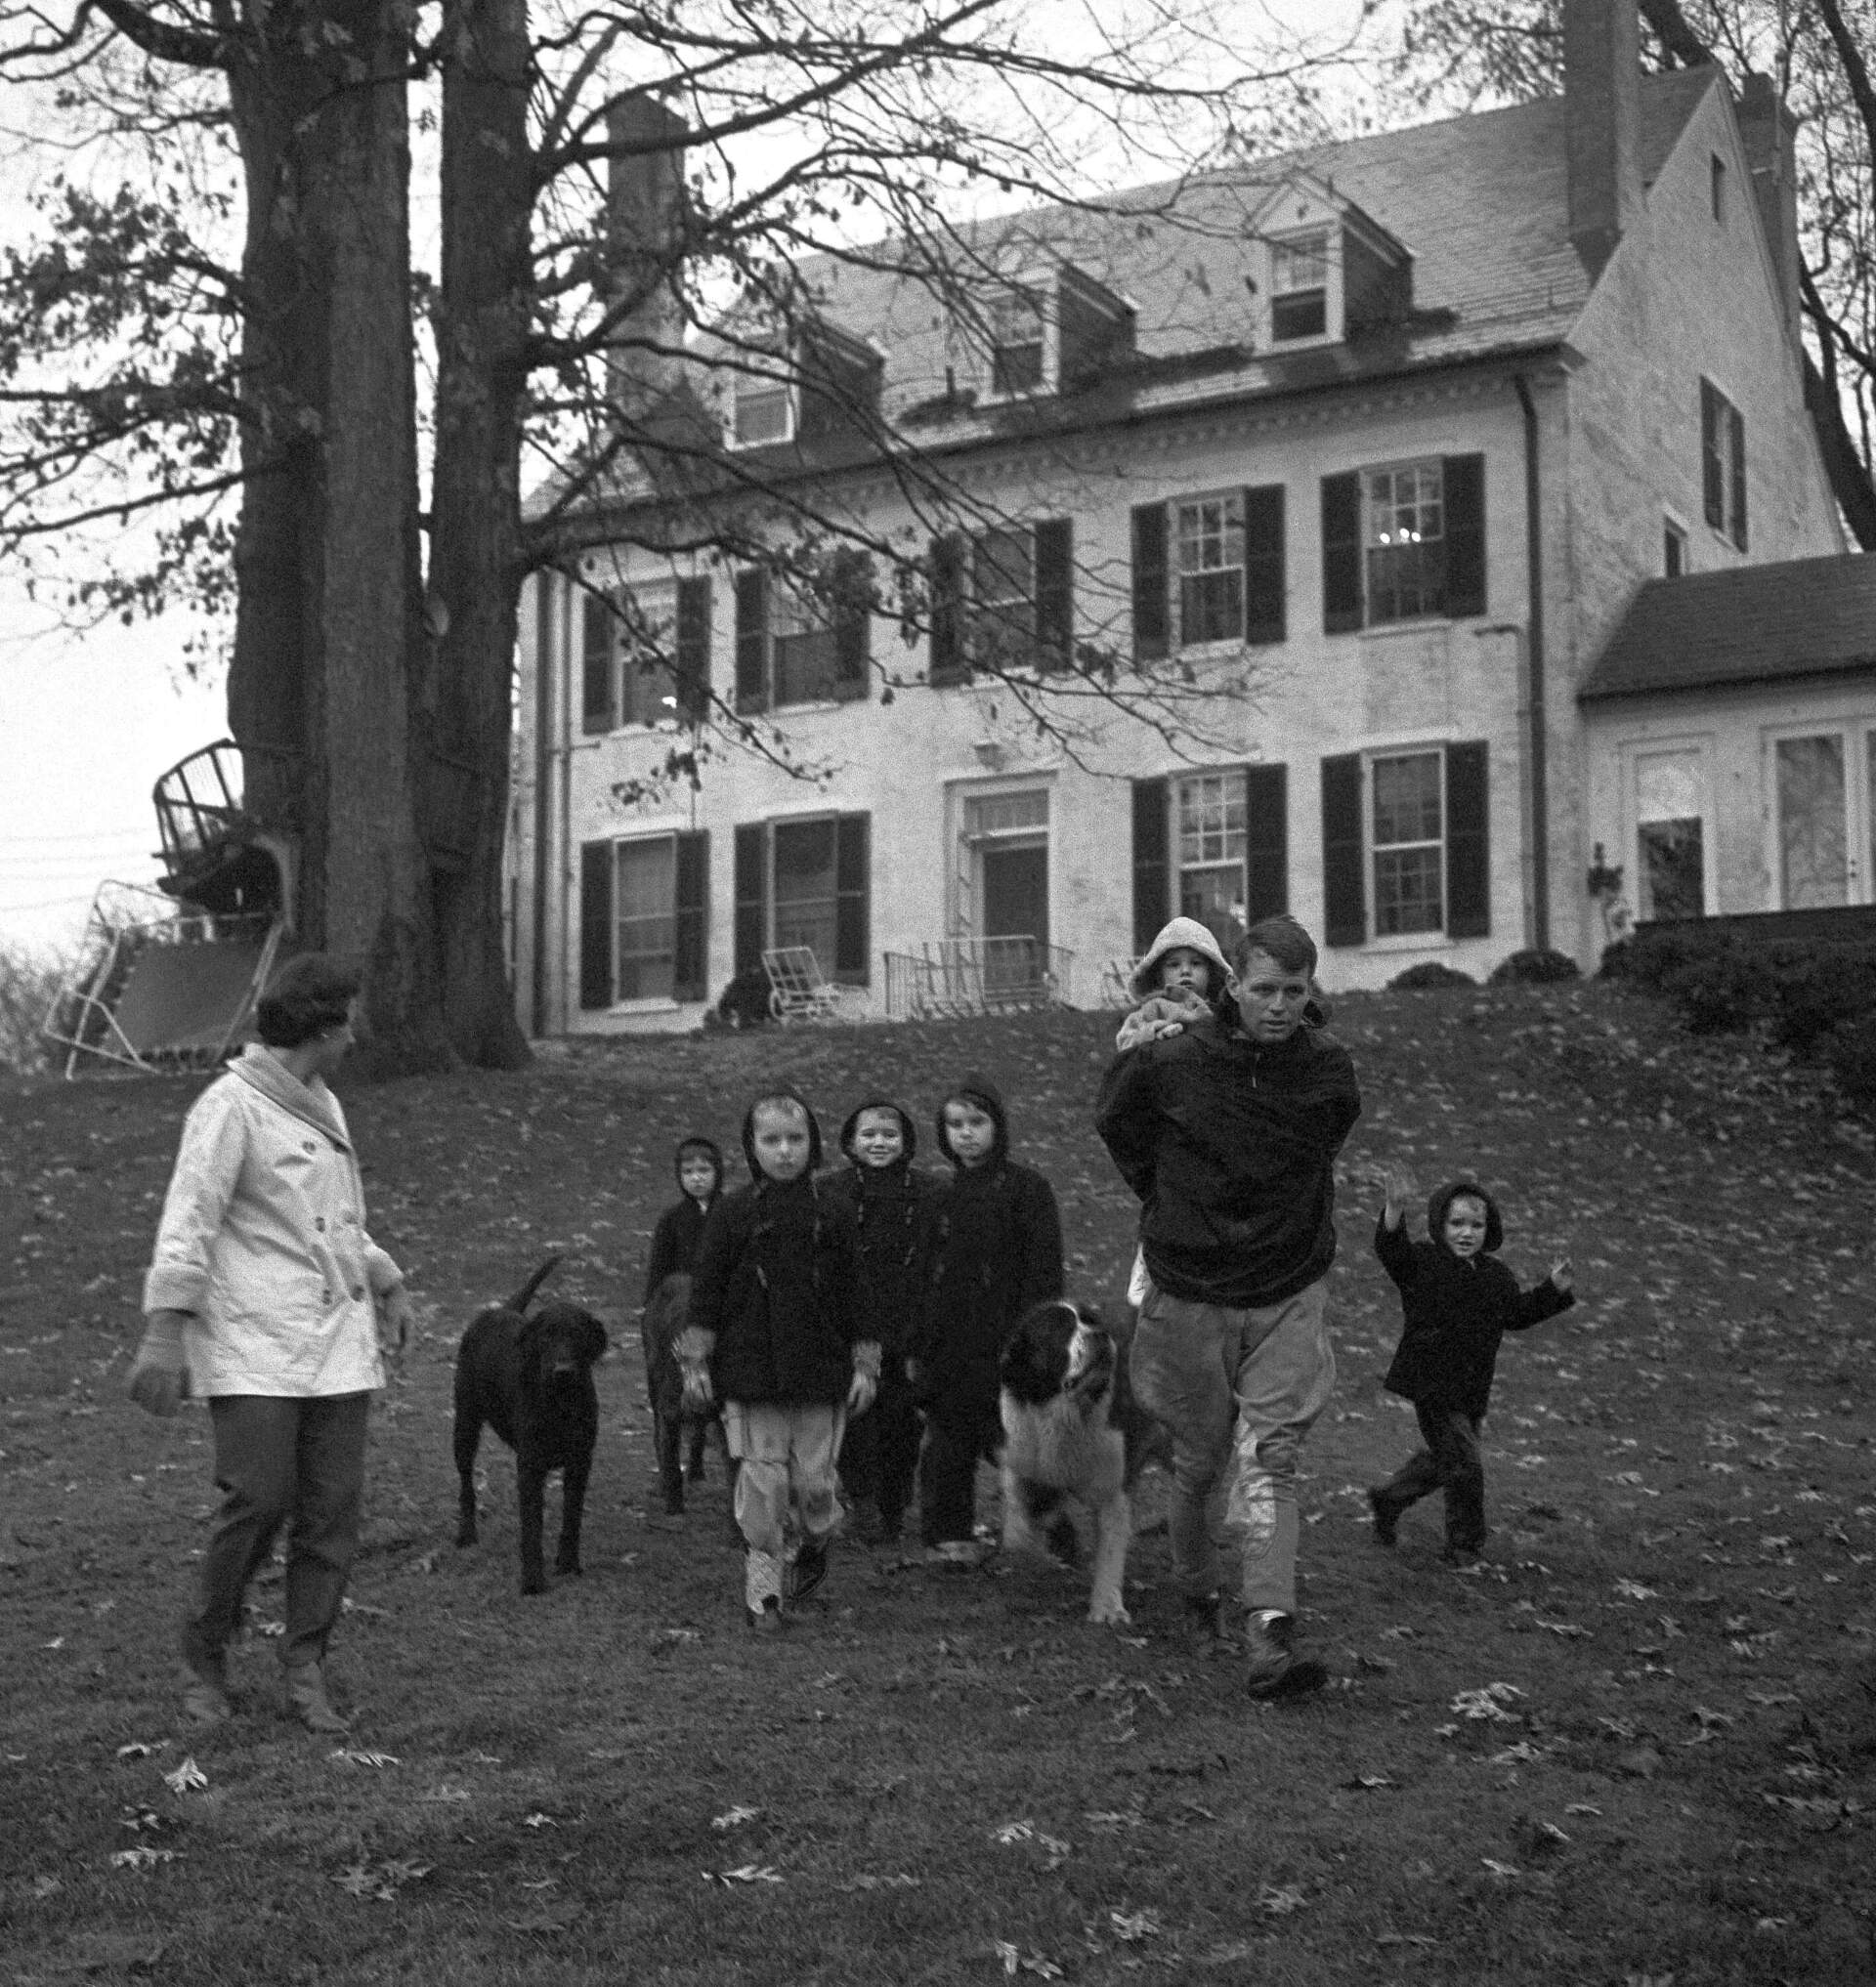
1410	446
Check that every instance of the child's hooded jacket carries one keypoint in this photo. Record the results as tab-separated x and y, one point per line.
888	1203
993	1249
1455	1308
776	1287
681	1229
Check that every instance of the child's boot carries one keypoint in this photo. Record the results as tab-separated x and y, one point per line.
762	1593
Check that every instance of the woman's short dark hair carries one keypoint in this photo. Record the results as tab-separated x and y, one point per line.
1283	939
304	999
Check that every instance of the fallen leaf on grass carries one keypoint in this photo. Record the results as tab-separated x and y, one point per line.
1571	1631
1406	1939
447	1793
1368	1782
1280	1900
1772	1697
1488	1701
141	1858
1015	1962
900	1882
1498	1869
142	1749
46	1887
749	1873
1583	1807
538	1821
353	1757
670	1635
1128	1925
1632	1590
734	1818
185	1778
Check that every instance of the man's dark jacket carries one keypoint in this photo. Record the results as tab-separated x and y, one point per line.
1230	1145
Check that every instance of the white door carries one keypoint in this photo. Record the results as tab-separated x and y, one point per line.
1819	782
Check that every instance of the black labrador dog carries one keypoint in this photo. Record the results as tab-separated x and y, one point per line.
531	1380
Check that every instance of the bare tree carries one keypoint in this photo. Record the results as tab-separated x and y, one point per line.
626	199
1818	55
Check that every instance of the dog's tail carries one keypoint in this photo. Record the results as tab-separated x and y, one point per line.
525	1296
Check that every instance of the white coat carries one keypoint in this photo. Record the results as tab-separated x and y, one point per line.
263	1242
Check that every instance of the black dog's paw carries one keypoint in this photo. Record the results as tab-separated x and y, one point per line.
465	1536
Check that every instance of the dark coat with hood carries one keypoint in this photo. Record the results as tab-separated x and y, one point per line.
1457	1308
681	1229
888	1204
1230	1145
993	1248
776	1284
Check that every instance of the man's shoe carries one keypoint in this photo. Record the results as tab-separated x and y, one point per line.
1387	1519
306	1694
1275	1670
768	1619
810	1569
205	1702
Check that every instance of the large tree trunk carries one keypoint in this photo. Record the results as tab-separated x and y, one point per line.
329	608
483	321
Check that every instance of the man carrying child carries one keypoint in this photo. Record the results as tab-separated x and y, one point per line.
1228	1132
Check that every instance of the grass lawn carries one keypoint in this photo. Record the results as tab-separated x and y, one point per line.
1640	1746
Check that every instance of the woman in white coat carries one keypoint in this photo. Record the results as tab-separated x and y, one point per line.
268	1298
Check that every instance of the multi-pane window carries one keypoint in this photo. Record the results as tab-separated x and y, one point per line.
1209	550
1017	343
645	910
1300	286
645	657
1003	589
765	411
803	642
1669	835
805	897
802	651
1408	843
1211	827
1405	531
1723	464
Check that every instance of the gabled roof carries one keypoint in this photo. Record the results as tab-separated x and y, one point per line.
1479	200
1747	627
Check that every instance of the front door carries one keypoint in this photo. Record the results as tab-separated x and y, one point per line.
1816	803
1015	905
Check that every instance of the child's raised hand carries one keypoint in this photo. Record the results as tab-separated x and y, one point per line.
1562	1274
1398	1184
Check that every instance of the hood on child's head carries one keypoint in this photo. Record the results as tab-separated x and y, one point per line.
982	1092
699	1147
907	1129
781	1093
1144	981
1437	1206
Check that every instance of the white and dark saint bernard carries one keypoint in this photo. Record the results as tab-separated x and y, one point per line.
1073	1430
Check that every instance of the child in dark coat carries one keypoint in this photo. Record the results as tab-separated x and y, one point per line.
1458	1304
699	1164
776	1336
993	1249
886	1192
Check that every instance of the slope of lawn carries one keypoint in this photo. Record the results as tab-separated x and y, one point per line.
1639	1746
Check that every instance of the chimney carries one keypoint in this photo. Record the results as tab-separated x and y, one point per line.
644	241
1770	133
1602	116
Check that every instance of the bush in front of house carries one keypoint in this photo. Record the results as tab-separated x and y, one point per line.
1849	1050
1538	967
1429	973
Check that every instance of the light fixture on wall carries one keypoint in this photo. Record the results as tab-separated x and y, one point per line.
990	753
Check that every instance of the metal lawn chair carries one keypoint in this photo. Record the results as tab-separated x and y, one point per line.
800	992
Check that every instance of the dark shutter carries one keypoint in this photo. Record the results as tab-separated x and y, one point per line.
1152	863
1344	894
1152	607
852	900
1468	875
693	649
753	640
595	925
1340	553
947	608
752	898
1736	445
851	587
1263	565
1054	592
1266	841
690	971
596	714
1713	466
1463	486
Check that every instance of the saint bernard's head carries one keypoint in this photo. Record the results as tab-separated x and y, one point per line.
1058	1348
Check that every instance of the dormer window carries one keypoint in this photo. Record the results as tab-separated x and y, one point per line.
1017	329
765	411
1300	286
